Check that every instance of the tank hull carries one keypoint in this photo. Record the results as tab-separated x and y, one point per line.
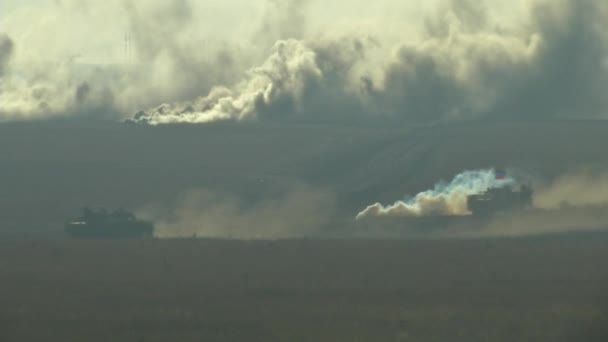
110	230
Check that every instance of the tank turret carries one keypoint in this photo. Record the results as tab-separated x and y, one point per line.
103	224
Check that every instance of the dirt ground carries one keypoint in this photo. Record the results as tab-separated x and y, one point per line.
542	289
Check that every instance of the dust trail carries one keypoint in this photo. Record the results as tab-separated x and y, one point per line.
301	211
582	188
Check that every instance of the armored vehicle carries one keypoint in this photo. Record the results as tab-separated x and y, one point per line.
497	200
103	224
500	205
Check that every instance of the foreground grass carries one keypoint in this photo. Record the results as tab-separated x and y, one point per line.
199	290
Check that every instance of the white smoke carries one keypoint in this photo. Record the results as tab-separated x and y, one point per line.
444	199
466	64
69	60
285	76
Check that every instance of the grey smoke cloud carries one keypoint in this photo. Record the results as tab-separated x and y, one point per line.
283	19
465	66
464	60
280	86
152	51
187	64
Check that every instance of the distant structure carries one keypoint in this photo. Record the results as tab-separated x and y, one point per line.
498	200
103	224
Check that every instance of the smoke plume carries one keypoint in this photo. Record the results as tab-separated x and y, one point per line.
281	81
574	202
300	212
444	199
464	66
462	60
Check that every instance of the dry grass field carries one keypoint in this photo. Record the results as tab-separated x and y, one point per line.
304	290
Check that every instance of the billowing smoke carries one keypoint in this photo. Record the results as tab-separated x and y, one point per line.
301	211
444	199
464	59
574	202
282	80
153	51
464	66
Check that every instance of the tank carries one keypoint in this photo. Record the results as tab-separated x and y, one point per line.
500	200
103	224
496	205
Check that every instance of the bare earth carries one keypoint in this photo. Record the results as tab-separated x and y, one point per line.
305	290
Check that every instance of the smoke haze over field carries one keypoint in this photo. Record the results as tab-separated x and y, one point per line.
54	168
574	202
301	211
305	61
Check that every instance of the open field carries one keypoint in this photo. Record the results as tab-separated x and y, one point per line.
304	290
53	289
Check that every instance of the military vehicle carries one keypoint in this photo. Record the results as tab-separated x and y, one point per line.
500	200
500	204
103	224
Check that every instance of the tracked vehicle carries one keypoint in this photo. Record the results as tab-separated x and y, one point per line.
495	205
103	224
500	200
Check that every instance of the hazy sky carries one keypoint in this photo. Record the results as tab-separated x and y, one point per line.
95	30
308	60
